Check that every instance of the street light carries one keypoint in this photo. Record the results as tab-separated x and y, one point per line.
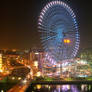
13	78
38	87
24	81
19	78
2	90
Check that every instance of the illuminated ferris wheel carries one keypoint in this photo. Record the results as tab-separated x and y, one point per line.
59	31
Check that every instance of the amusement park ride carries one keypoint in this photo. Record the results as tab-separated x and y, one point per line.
59	31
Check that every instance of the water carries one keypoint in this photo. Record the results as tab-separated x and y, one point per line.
61	88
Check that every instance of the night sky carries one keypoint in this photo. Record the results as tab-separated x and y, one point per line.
18	22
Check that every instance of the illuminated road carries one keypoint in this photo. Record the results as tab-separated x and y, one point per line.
21	87
18	88
18	67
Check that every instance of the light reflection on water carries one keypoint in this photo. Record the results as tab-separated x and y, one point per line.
63	88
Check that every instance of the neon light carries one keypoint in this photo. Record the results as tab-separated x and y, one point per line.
56	24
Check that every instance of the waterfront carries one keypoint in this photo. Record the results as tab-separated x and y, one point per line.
61	88
45	46
85	87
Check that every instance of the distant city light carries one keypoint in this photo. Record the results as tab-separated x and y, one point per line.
19	78
28	76
36	53
13	78
38	74
59	65
14	50
31	73
36	64
1	63
1	70
29	67
24	81
38	87
82	62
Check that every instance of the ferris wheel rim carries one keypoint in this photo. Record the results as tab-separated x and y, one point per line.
70	11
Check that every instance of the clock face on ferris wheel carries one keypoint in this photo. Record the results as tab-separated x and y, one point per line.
59	31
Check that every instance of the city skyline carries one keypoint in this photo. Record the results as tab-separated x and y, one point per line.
45	46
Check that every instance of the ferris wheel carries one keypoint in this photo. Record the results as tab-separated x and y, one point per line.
59	31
